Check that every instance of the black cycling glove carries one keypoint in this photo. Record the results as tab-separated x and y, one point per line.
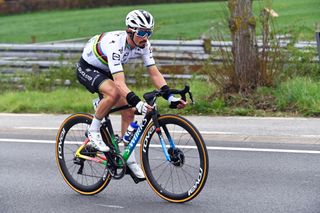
174	102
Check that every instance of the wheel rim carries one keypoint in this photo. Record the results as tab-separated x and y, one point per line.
94	176
177	178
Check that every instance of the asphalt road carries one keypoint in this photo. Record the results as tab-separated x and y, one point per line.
270	170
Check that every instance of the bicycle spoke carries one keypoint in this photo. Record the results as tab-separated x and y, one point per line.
168	178
161	173
156	167
178	179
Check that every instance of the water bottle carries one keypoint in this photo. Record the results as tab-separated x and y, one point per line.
133	126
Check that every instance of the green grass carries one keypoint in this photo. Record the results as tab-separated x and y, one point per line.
58	101
71	100
296	97
300	94
173	21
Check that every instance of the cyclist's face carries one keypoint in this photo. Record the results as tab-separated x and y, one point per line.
140	41
141	37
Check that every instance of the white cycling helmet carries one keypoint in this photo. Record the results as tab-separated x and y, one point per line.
140	19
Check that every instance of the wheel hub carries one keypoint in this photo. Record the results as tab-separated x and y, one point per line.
176	156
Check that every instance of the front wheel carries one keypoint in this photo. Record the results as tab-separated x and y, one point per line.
84	176
182	178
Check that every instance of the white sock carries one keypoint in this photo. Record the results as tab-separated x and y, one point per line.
95	125
132	157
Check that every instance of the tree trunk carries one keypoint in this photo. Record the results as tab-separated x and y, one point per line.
244	49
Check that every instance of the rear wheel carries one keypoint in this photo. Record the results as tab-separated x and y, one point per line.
84	176
182	178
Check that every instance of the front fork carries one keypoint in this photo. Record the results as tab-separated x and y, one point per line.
160	135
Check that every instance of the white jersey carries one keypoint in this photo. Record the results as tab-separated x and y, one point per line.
109	51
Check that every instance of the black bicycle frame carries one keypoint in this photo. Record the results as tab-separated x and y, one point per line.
132	144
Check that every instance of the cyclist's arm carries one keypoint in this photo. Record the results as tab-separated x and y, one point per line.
130	96
159	81
156	77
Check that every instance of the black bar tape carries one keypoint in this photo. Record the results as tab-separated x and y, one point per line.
166	91
132	99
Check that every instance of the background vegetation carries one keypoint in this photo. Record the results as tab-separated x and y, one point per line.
296	91
173	21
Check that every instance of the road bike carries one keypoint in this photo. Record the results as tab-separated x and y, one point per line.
173	154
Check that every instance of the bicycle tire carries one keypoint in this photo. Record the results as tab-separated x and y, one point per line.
69	138
184	185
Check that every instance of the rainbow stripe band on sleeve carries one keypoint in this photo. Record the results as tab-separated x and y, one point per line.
98	51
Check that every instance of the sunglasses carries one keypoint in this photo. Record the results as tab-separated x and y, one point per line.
143	33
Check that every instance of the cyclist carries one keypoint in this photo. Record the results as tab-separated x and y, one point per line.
100	70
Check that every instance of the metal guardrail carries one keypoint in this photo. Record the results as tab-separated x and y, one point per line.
25	57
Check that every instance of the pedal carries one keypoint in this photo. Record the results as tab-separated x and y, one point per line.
133	176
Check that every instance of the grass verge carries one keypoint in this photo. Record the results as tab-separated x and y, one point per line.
295	97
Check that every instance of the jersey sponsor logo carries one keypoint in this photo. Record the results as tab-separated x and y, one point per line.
95	78
84	74
125	57
116	56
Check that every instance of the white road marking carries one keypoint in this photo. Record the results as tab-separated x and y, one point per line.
56	128
36	128
264	150
110	206
22	114
202	132
25	140
217	148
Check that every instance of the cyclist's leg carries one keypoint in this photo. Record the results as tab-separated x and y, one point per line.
96	80
110	96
